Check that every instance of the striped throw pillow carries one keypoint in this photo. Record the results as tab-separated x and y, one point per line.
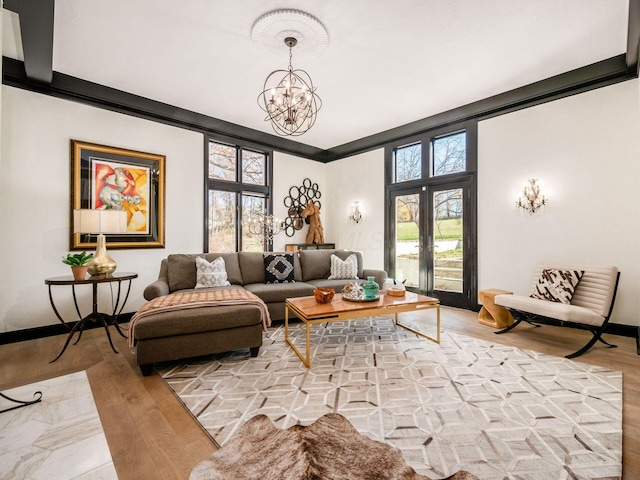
557	285
344	269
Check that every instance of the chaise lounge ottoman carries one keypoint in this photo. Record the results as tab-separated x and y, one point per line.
172	335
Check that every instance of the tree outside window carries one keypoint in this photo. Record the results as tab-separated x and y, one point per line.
237	187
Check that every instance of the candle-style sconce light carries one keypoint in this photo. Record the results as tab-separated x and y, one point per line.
532	198
355	214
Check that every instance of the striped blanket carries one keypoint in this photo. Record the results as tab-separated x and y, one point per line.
206	298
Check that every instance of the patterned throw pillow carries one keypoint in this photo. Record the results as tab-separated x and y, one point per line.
344	269
557	285
278	268
212	274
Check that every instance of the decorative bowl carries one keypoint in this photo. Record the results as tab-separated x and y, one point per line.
324	295
396	292
353	290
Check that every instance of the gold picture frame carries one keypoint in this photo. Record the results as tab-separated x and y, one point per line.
105	177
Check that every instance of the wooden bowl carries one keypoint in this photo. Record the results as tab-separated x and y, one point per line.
396	292
324	295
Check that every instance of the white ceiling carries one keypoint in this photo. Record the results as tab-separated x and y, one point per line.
388	63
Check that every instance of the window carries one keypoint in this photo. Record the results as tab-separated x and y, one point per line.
238	185
449	153
254	167
431	216
407	162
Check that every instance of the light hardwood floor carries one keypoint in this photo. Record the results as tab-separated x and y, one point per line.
152	436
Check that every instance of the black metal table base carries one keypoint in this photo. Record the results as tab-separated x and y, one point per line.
102	319
22	403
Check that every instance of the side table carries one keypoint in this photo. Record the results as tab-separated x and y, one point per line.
104	319
491	314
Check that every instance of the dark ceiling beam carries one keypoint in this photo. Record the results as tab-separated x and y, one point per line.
600	74
89	93
36	21
36	27
633	37
607	72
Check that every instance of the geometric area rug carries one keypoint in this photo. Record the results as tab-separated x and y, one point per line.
496	411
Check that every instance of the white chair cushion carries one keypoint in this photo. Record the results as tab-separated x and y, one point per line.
559	311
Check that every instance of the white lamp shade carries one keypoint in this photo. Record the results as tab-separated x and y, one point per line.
99	221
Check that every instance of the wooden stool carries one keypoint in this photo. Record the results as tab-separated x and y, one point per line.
492	314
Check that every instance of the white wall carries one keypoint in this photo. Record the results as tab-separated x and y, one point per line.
585	151
290	171
34	199
358	178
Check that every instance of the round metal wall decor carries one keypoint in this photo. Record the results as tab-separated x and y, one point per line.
296	201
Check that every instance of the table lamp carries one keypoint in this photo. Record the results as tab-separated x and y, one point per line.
100	222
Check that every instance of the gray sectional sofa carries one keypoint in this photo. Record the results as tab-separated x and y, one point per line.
214	329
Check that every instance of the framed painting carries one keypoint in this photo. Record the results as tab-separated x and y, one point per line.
114	178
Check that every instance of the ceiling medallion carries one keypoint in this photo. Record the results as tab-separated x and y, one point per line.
269	31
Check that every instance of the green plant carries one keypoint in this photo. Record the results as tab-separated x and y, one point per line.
77	259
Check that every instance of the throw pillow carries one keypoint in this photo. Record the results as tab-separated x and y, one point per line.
344	269
278	268
211	274
557	285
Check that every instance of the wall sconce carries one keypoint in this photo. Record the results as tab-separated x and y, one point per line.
532	200
355	215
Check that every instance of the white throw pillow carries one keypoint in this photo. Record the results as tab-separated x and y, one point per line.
212	274
344	269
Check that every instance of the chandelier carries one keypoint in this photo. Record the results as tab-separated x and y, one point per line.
289	98
532	199
267	226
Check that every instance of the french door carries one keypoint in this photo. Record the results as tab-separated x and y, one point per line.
432	235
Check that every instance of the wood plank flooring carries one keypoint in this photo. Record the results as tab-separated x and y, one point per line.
152	436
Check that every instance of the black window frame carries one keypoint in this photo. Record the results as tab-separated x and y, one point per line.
237	186
428	179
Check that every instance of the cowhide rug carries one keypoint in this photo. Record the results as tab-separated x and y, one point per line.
328	449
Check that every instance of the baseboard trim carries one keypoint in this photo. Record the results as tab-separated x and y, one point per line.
50	330
632	331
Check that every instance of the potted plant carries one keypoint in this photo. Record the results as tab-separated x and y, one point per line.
78	263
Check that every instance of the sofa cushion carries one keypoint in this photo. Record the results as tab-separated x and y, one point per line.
316	264
211	274
278	267
181	269
278	293
252	265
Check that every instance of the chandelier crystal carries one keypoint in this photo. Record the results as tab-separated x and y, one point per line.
289	99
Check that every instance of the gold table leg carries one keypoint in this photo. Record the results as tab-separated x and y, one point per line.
305	360
424	335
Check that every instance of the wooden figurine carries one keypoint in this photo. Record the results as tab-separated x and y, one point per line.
316	232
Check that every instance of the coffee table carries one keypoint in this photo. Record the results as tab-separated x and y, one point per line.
312	312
